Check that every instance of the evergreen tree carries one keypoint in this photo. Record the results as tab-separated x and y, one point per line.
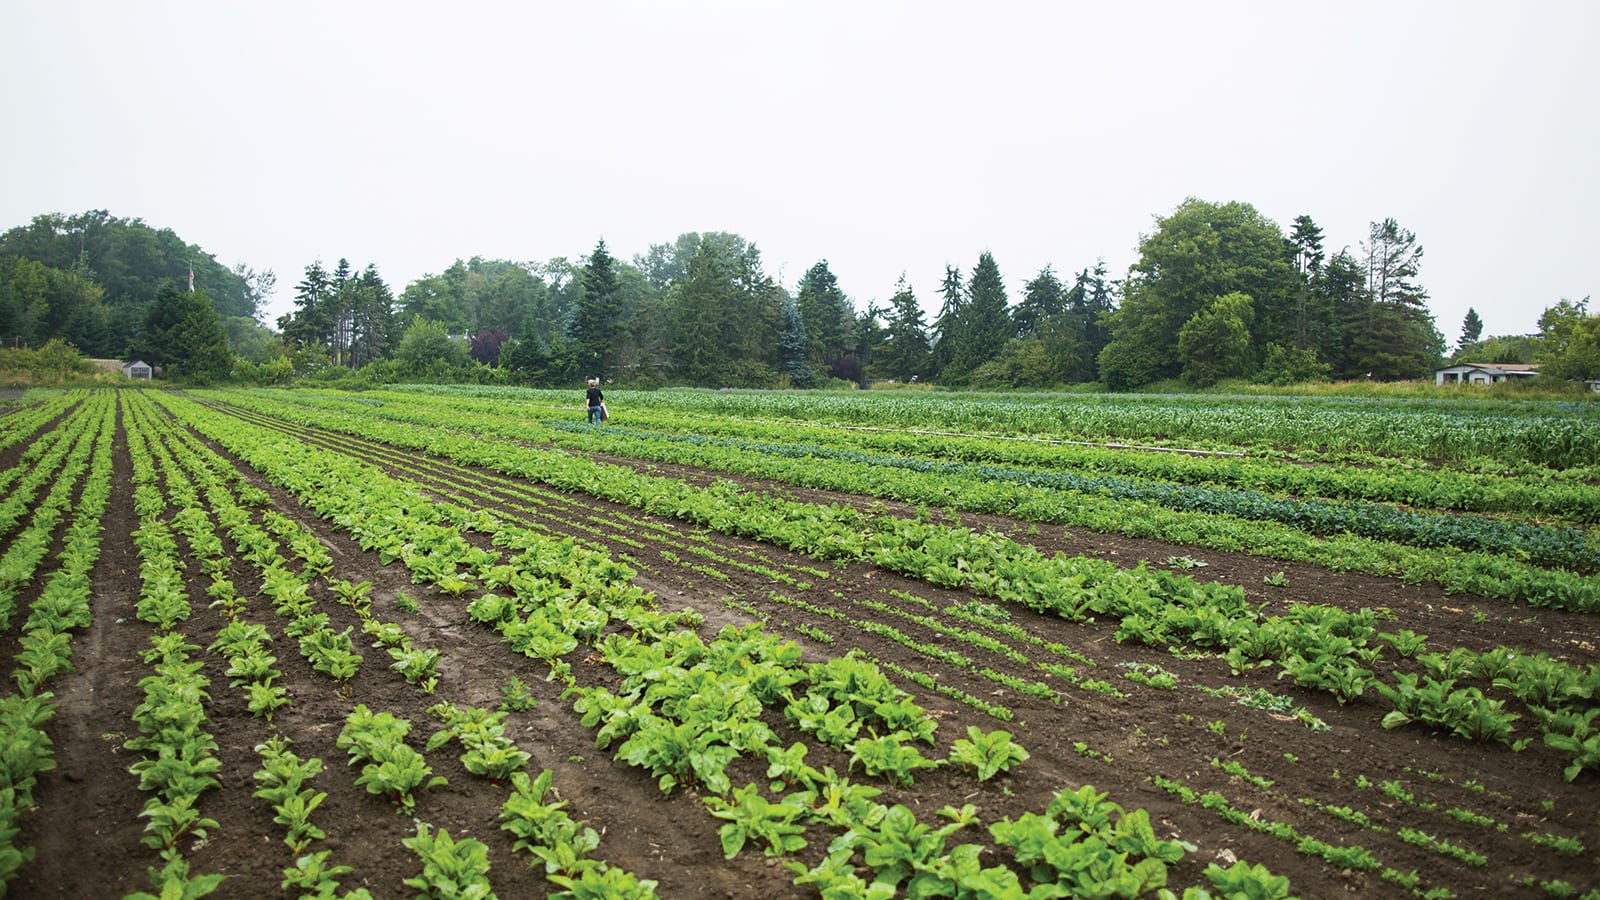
753	321
904	355
340	309
1314	324
183	334
947	328
1405	342
598	312
1471	329
1306	243
1344	286
794	348
867	337
985	322
1090	301
702	305
371	318
827	315
309	324
1043	298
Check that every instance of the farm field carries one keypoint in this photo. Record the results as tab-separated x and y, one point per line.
440	641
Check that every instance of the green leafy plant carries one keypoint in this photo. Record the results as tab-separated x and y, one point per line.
1247	882
987	755
889	757
1580	740
487	750
389	766
750	816
450	869
516	696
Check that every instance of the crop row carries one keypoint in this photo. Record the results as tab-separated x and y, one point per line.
1412	482
1476	572
1513	434
471	573
60	609
1306	632
545	619
1317	647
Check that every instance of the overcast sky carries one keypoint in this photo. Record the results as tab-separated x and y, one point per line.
884	137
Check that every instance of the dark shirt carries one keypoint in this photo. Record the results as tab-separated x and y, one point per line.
595	397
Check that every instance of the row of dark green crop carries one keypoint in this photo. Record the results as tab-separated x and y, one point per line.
1546	433
1479	573
1551	495
1546	545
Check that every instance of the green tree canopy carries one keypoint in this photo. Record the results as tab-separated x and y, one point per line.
983	323
183	334
1569	342
827	315
1398	339
1471	328
1043	298
794	347
1201	252
904	354
427	349
599	312
127	261
1215	343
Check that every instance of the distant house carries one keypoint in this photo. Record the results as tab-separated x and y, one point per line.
137	369
1484	373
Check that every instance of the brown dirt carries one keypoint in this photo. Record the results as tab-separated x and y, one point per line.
86	827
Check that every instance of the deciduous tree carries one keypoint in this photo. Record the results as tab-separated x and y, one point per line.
1569	342
1201	252
1215	343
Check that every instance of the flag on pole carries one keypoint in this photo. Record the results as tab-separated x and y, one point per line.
191	278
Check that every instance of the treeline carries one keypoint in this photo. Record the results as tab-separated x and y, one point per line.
90	279
1218	292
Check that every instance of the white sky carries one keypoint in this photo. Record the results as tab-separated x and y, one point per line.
885	137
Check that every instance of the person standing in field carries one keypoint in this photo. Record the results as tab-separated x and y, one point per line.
597	402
